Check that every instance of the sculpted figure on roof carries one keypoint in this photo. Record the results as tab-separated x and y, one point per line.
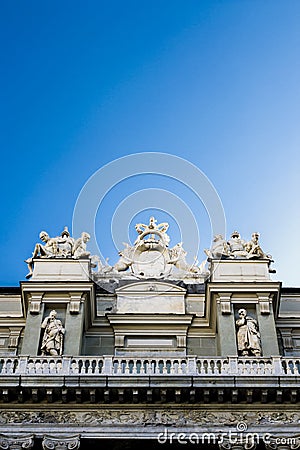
150	256
63	246
236	248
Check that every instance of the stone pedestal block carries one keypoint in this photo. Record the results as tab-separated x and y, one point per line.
240	270
55	269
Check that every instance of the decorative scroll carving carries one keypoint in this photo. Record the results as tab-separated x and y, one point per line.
52	343
248	337
16	443
61	443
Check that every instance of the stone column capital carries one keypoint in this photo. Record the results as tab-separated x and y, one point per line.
16	442
61	443
236	443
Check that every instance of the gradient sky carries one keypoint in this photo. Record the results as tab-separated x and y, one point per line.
214	82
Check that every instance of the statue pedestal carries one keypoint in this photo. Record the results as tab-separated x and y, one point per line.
61	269
241	270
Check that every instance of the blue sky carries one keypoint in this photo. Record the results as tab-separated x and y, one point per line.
214	82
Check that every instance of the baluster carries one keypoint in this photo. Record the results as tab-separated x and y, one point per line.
211	367
135	367
30	367
268	369
127	368
46	366
240	367
97	366
52	367
290	367
261	368
100	365
59	366
38	366
297	367
224	367
202	368
119	367
74	369
253	367
165	366
172	369
152	368
143	365
6	366
89	365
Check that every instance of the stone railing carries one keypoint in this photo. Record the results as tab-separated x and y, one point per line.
118	366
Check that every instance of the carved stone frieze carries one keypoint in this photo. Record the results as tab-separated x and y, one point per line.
150	417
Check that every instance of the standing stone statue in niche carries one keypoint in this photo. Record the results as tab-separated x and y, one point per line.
248	336
52	343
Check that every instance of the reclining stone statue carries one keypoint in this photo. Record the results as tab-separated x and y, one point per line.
236	248
63	246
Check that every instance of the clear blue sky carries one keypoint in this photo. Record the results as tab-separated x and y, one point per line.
214	82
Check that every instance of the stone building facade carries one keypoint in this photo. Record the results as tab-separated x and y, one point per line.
152	351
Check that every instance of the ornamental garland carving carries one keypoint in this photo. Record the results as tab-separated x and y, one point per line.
167	417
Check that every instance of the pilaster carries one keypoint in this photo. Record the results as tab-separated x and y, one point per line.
226	325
